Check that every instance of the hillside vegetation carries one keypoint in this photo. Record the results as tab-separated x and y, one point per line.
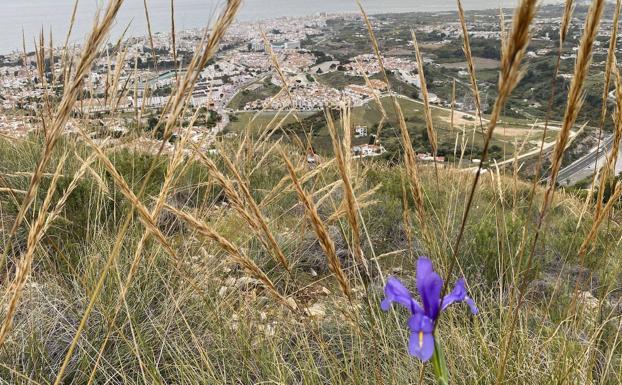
126	263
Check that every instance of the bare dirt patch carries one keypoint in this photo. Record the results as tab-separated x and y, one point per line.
480	63
460	119
468	120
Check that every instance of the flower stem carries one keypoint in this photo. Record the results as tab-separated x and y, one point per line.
440	365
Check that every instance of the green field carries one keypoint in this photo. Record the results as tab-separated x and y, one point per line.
256	91
508	133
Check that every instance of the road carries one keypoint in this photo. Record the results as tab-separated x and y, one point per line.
584	166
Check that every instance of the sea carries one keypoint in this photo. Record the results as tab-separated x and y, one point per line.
22	20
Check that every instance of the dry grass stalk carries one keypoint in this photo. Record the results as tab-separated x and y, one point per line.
609	66
283	78
203	53
89	53
513	50
274	124
363	200
575	95
613	200
351	203
236	200
253	217
515	165
453	105
406	218
150	228
64	58
321	231
12	191
60	204
173	167
267	133
51	59
426	98
410	158
266	154
575	99
268	238
376	97
613	155
144	215
466	47
40	58
565	23
374	42
25	54
410	163
152	46
283	186
277	66
234	252
114	89
175	108
25	264
173	33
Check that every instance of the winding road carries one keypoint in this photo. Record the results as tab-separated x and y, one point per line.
584	166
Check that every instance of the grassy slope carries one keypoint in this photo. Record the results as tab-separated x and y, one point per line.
178	324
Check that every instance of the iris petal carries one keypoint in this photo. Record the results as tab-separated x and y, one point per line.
471	304
420	322
421	345
429	284
459	294
395	291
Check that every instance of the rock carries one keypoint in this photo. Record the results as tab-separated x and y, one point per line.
292	303
541	289
588	300
313	273
359	293
584	276
270	330
169	224
317	310
345	257
397	270
247	283
263	302
222	291
312	255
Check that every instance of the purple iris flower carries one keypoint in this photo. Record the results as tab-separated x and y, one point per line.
423	319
